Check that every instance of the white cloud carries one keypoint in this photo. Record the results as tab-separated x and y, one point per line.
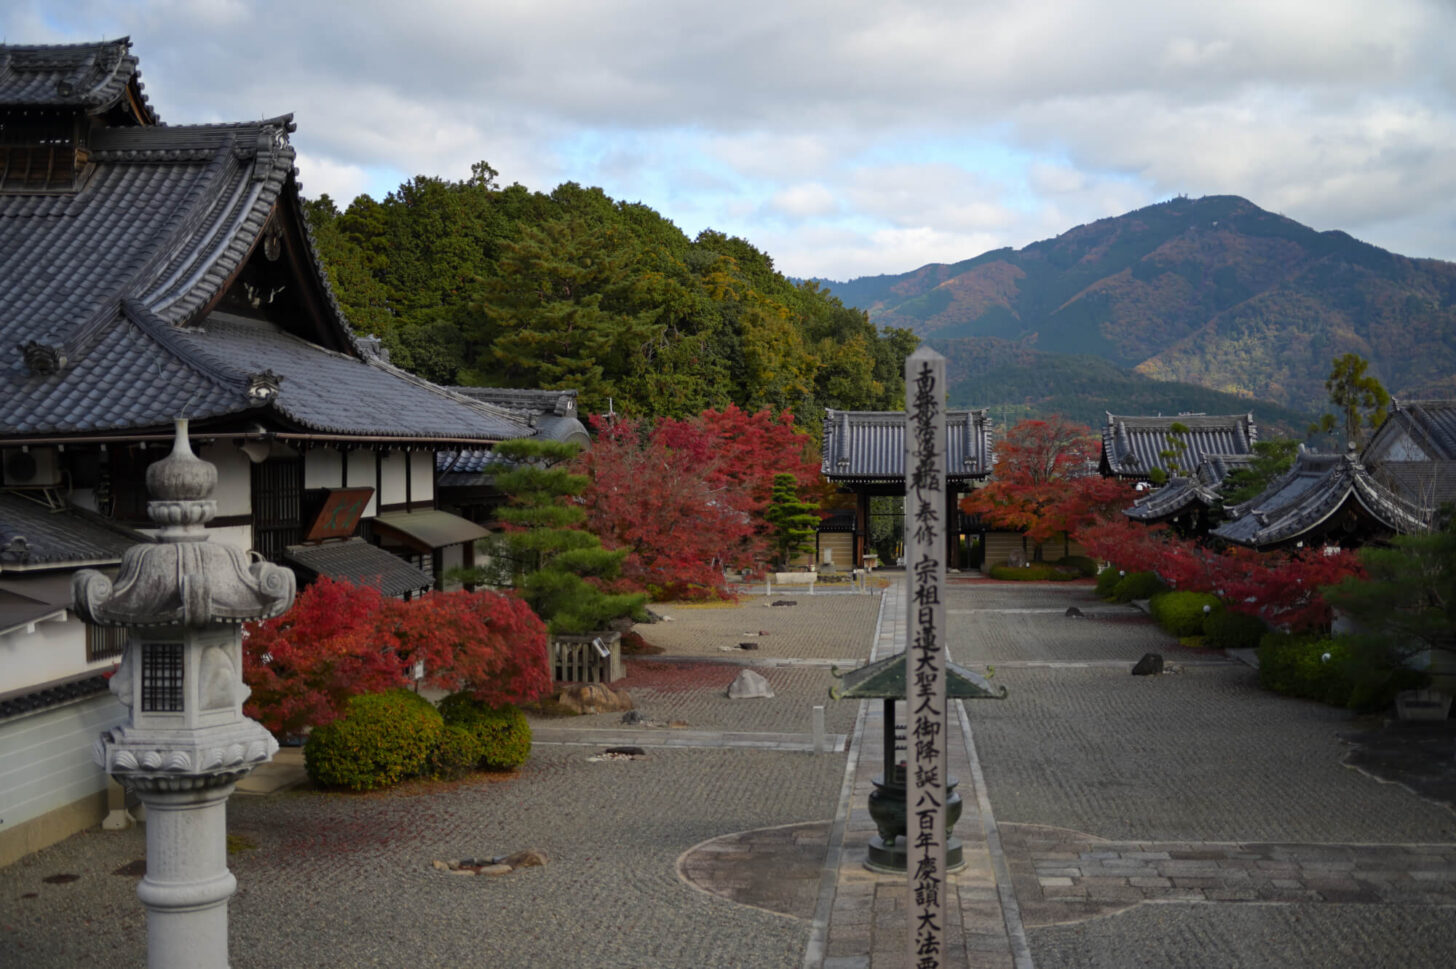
869	131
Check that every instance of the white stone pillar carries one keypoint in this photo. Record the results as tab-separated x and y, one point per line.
925	656
188	884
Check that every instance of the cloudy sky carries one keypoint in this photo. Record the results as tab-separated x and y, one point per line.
844	138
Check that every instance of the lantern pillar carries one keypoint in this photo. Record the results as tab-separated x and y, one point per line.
186	743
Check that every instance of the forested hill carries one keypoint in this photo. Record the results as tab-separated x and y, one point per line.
1212	291
477	284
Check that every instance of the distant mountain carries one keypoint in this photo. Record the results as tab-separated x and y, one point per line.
1213	292
1016	381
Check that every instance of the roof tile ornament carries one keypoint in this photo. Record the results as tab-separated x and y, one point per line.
183	579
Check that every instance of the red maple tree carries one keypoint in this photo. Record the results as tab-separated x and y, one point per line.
1045	484
1281	587
340	640
687	496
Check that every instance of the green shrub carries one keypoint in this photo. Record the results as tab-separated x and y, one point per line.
1312	667
1180	613
457	753
503	732
1107	579
381	739
1137	585
1033	572
1227	629
1085	566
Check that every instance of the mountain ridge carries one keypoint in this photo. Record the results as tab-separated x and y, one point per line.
1213	292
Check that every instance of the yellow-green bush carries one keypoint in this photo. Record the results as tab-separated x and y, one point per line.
1034	572
1227	629
503	733
1182	613
457	753
1137	585
381	739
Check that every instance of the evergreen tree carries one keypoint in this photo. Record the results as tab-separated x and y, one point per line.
792	521
558	567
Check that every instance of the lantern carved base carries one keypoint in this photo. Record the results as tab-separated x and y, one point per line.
233	748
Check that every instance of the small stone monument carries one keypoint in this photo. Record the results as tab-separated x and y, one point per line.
183	601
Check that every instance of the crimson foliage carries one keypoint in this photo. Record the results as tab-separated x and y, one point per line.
340	640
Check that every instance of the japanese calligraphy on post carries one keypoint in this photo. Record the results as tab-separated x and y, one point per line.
925	659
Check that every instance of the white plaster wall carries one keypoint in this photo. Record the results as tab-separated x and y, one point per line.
45	757
57	649
239	535
451	557
422	468
361	475
234	491
391	478
323	467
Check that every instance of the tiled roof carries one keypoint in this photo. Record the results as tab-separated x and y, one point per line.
557	403
1300	503
1131	446
92	77
1202	489
552	413
869	446
1429	425
105	293
33	536
358	562
74	688
335	393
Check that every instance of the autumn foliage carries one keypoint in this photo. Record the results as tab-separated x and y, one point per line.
1280	587
341	640
687	497
1045	484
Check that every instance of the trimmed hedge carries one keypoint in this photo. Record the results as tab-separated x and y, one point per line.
457	753
503	733
1034	572
1180	613
1107	580
1137	585
1227	629
1297	666
1085	566
381	739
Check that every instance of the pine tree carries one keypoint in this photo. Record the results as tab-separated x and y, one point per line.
559	568
792	521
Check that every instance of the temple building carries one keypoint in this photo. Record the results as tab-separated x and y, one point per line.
154	272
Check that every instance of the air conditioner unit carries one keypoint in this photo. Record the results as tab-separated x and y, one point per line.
37	467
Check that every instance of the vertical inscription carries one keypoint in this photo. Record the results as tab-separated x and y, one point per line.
925	656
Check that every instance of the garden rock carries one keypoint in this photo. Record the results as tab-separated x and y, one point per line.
593	698
524	859
1074	613
1150	665
749	685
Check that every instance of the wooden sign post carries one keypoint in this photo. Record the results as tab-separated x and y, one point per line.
925	655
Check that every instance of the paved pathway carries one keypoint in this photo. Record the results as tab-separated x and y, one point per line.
1188	820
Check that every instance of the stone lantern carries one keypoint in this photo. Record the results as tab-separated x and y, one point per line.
885	679
183	600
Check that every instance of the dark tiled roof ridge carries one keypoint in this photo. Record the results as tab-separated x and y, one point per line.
236	229
112	76
211	368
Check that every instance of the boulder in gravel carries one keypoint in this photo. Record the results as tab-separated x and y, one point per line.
749	685
1074	613
593	698
1150	665
524	859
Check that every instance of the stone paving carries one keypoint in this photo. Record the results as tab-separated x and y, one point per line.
1188	819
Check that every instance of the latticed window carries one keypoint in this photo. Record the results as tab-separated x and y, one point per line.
104	642
162	678
277	506
39	154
